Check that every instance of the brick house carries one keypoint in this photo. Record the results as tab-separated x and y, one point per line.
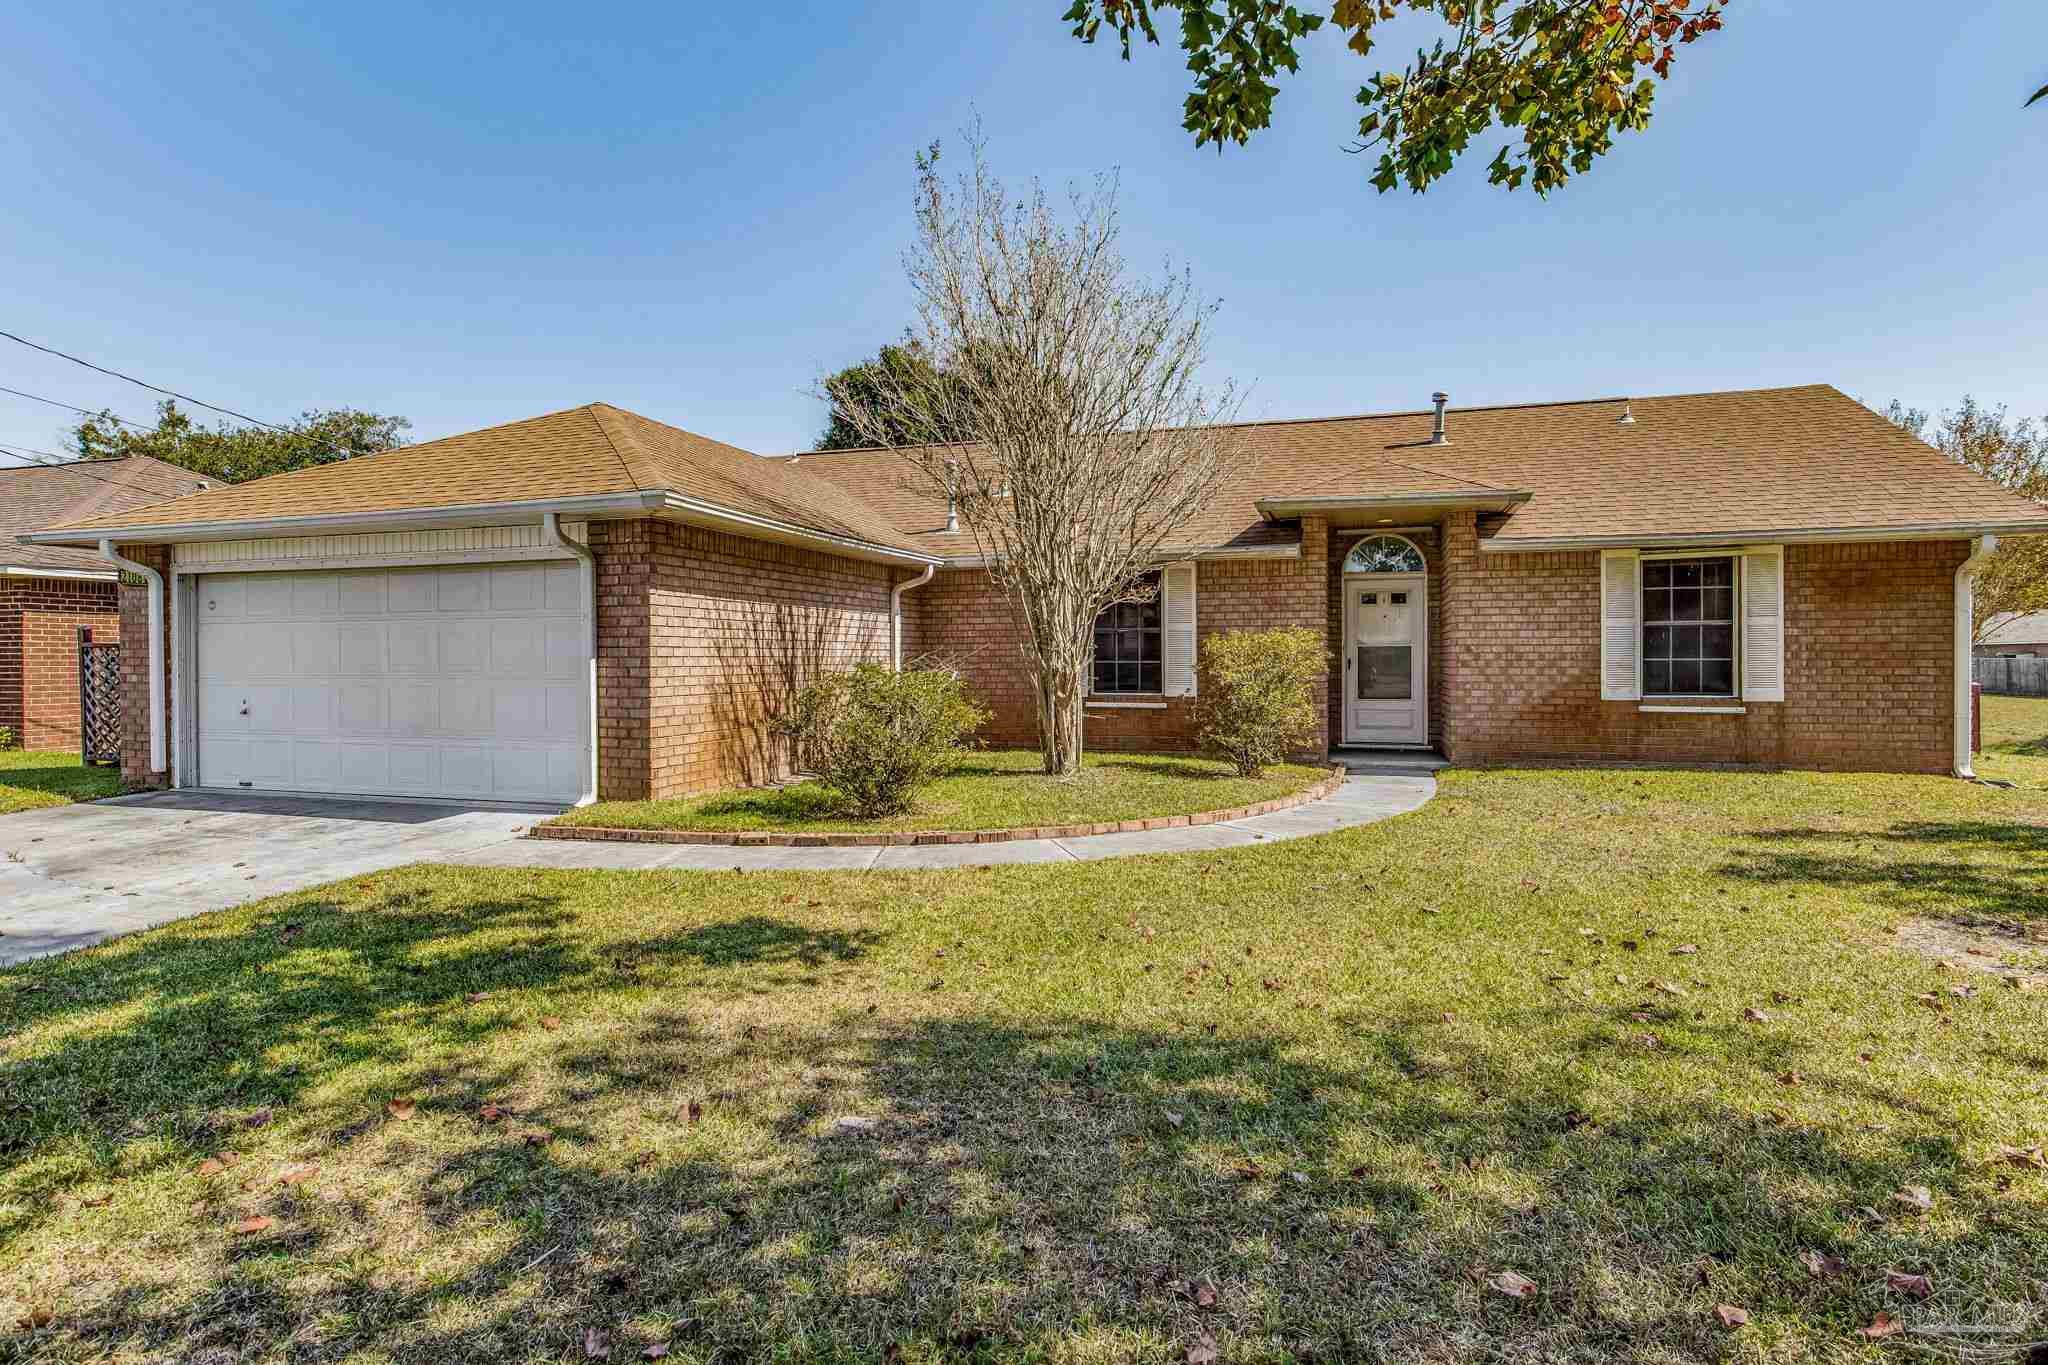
2020	635
1774	577
48	591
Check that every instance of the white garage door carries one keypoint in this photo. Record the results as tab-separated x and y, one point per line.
457	682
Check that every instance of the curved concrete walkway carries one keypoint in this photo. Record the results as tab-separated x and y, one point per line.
1362	799
72	876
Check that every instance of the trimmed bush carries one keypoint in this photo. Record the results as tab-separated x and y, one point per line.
1262	692
877	737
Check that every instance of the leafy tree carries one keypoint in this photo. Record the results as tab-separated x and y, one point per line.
2013	454
905	366
1567	74
237	454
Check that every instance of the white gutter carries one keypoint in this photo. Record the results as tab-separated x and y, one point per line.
337	523
1965	600
1647	540
157	762
551	526
896	611
31	571
1485	500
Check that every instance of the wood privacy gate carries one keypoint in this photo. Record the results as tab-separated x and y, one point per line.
99	700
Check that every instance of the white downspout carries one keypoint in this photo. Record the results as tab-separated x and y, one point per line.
1965	596
896	612
157	761
551	524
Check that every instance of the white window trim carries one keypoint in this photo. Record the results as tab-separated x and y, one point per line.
1734	556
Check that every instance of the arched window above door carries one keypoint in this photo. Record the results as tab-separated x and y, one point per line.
1383	554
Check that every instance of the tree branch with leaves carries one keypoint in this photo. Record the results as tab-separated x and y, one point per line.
238	453
2012	454
1079	436
1564	75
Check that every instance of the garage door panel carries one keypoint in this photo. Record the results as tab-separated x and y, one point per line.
361	594
464	682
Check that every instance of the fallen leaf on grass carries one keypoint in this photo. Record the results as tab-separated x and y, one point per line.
1685	950
490	1113
401	1108
1755	1016
1790	1078
1204	1294
258	1119
1883	1325
1731	1317
217	1163
1203	1352
257	1224
551	1022
1915	1286
693	1111
35	1319
595	1345
1175	1119
477	997
655	1352
1822	1267
2022	1156
1512	1284
297	1173
1916	1197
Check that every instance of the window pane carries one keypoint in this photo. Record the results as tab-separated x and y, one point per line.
1657	642
1149	643
1130	644
1717	675
1685	642
1656	675
1128	677
1717	604
1656	605
1657	573
1148	677
1105	676
1685	604
1717	642
1685	573
1383	673
1685	675
1717	573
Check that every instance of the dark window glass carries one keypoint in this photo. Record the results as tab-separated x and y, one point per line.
1385	672
1128	646
1689	627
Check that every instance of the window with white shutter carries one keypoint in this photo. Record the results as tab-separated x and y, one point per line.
1178	588
1620	625
1763	623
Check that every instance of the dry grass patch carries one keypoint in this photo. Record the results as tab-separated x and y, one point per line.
1313	1101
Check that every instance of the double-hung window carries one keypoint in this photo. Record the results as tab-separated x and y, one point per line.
1128	646
1688	624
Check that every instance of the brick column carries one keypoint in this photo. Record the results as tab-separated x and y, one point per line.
135	769
1459	603
1315	564
624	663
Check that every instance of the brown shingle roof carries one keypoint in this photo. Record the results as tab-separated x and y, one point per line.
592	450
33	496
1757	461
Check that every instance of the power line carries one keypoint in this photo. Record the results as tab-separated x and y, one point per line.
154	388
73	407
73	465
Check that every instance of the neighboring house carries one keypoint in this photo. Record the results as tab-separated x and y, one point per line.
1767	577
2025	633
48	591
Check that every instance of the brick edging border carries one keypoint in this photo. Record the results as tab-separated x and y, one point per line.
1315	791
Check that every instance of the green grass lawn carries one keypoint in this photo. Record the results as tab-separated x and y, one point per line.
996	789
50	777
1645	1038
2015	739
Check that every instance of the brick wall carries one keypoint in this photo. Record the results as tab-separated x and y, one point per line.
135	768
702	639
39	621
1869	663
963	620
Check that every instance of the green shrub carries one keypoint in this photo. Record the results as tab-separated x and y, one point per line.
6	737
1261	695
877	737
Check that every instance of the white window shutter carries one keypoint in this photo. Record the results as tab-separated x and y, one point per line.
1177	616
1763	623
1621	606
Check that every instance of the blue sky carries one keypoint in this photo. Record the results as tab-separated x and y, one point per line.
469	215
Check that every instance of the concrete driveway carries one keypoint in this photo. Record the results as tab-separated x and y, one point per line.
75	875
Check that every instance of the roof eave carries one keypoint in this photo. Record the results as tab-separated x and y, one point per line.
46	571
697	512
1477	500
1290	550
1507	545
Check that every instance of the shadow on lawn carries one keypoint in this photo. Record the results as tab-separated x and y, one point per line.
1026	1185
2015	887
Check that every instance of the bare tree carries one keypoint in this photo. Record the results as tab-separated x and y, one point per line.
1080	435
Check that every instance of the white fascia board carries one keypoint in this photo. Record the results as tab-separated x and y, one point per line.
696	512
1736	540
32	571
1165	556
341	523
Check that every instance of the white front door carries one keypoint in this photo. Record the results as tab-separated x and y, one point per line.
1386	653
465	681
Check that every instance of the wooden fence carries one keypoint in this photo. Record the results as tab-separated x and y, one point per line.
2014	676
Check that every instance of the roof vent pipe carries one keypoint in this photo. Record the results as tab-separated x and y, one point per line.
1436	435
1628	414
